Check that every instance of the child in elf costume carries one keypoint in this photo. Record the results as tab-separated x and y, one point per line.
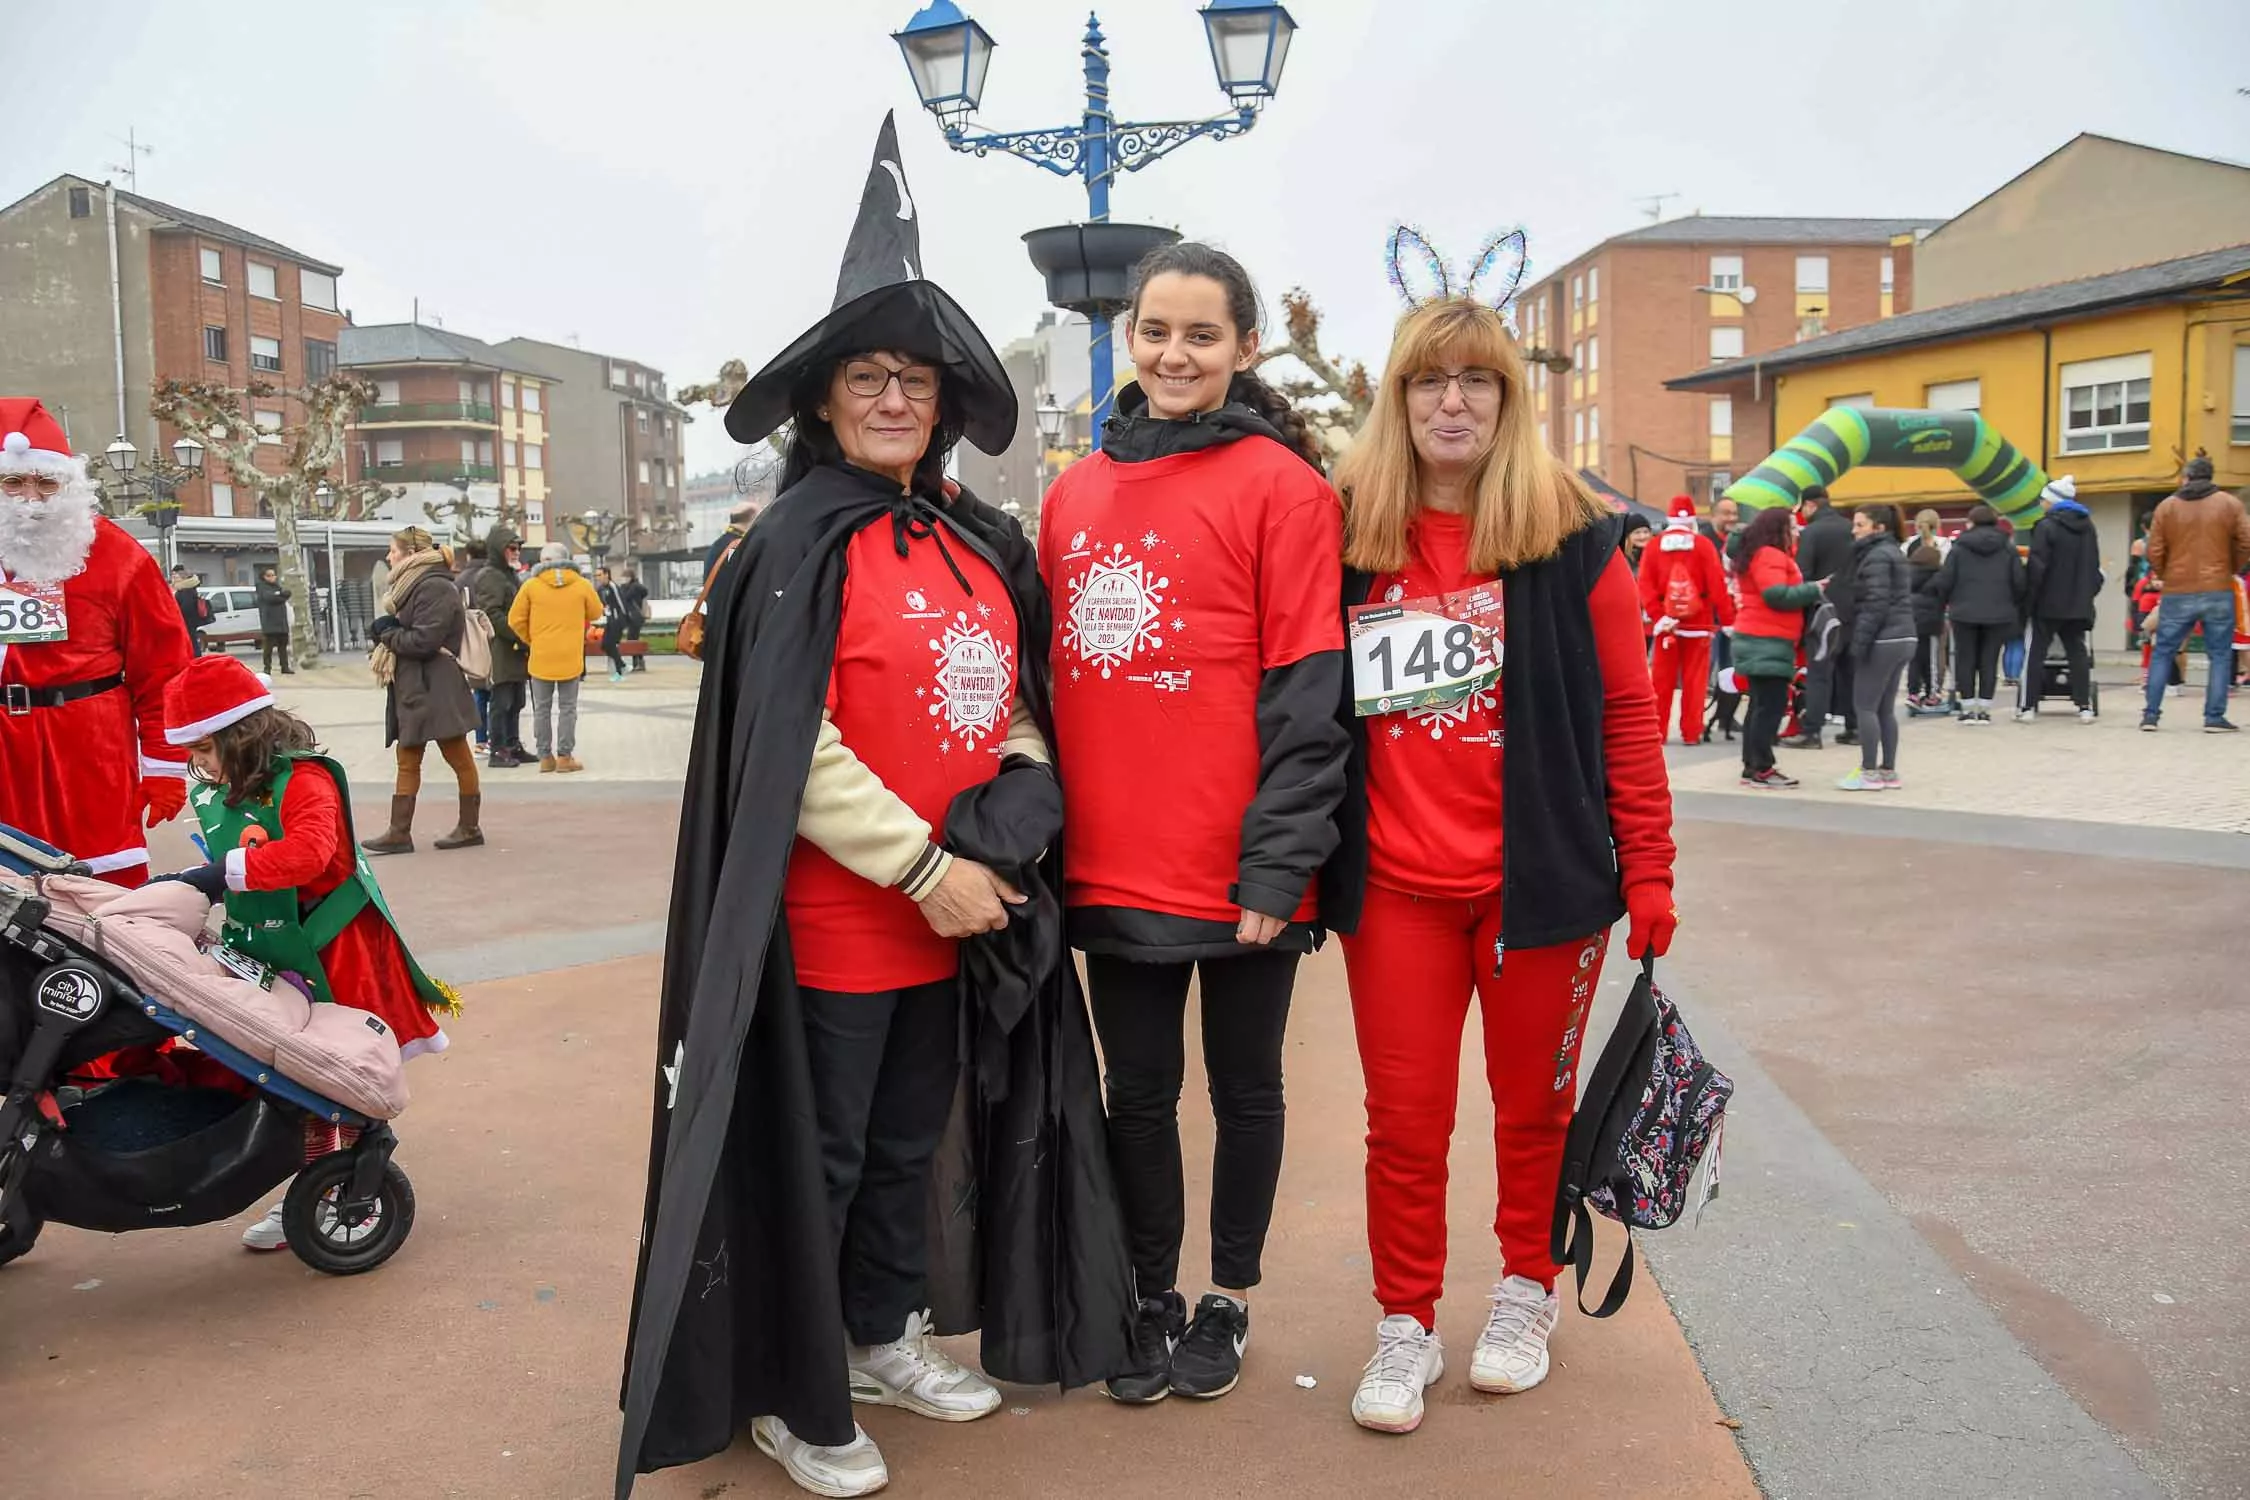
277	825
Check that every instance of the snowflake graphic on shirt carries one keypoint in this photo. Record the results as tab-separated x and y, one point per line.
1447	717
1114	611
974	682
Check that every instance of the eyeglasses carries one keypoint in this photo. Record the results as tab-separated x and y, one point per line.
864	377
26	484
1476	384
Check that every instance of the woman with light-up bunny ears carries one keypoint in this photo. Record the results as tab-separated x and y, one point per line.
1484	591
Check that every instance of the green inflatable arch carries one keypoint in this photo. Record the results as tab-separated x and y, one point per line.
1845	437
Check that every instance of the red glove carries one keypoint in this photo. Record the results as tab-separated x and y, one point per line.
1651	919
165	795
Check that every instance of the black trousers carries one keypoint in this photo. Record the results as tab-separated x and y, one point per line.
1828	686
275	643
884	1067
2043	635
1976	659
633	633
610	635
1769	705
504	715
1140	1010
1921	670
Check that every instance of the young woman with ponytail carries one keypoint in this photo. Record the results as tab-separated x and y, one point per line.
1194	564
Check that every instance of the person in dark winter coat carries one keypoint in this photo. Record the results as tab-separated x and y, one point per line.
1880	641
1824	552
1982	586
493	590
425	696
1927	560
195	610
633	594
273	619
2061	581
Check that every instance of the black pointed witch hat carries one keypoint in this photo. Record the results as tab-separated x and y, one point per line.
882	302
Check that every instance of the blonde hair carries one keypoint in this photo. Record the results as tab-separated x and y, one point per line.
413	539
1526	503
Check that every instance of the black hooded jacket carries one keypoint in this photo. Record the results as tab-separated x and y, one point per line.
1289	828
1982	581
2064	574
736	1304
1824	550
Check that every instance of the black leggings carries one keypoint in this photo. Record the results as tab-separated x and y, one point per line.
1921	672
1976	659
1140	1010
1769	705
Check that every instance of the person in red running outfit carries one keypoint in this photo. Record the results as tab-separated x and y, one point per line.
1684	596
1477	834
1193	563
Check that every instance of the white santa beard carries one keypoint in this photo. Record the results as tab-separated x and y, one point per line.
46	541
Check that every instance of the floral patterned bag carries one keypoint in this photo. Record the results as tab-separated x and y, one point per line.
1653	1109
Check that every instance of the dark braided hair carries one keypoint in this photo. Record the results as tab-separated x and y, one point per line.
1190	258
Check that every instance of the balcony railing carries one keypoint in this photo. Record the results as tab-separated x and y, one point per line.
426	411
432	471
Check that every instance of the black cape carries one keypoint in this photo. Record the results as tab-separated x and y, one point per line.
736	1307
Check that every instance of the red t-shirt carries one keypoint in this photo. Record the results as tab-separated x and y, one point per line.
1177	583
1434	776
921	690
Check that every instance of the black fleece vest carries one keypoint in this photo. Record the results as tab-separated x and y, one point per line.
1559	878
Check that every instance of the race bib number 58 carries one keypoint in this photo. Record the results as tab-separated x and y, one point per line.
31	612
1425	653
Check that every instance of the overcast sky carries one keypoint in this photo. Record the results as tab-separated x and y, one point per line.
672	181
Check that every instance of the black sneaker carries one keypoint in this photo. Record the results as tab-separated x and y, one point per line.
1802	742
2148	723
1156	1329
1847	738
1208	1361
2219	725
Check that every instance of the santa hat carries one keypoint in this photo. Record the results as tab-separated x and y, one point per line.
1680	514
32	442
210	693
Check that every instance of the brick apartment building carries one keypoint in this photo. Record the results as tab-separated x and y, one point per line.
451	414
89	323
1643	307
615	441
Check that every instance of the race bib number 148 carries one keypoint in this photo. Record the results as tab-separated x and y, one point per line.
1425	653
31	612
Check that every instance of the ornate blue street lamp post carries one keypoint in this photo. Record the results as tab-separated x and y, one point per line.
948	55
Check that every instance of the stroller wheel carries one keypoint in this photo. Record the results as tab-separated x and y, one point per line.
312	1216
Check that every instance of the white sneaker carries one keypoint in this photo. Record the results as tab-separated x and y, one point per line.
857	1468
266	1233
2085	716
1408	1359
914	1373
1512	1351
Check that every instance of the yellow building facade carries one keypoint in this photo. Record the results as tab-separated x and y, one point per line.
523	448
2115	381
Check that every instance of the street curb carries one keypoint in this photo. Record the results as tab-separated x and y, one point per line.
1857	1361
2178	846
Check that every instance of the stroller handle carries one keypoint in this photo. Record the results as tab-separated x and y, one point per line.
36	856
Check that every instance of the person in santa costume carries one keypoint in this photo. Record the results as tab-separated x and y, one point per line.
89	636
276	818
1684	593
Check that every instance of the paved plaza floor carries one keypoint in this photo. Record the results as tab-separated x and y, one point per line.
1981	1231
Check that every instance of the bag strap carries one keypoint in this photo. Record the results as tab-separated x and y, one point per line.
1581	1256
712	576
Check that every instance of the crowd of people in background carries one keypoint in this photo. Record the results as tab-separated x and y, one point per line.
1820	617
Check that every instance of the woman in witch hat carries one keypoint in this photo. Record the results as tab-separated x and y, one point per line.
868	1027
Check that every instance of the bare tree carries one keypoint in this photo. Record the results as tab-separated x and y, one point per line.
720	393
1334	398
468	521
301	485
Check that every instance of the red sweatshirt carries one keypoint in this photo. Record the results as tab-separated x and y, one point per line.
1683	562
1178	583
1434	778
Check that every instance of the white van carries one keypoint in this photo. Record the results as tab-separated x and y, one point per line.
234	615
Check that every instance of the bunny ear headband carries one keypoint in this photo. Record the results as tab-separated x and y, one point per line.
1495	276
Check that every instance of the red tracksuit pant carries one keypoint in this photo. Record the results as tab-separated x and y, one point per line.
1413	965
1683	662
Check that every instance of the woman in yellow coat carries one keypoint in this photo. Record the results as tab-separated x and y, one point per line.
551	612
